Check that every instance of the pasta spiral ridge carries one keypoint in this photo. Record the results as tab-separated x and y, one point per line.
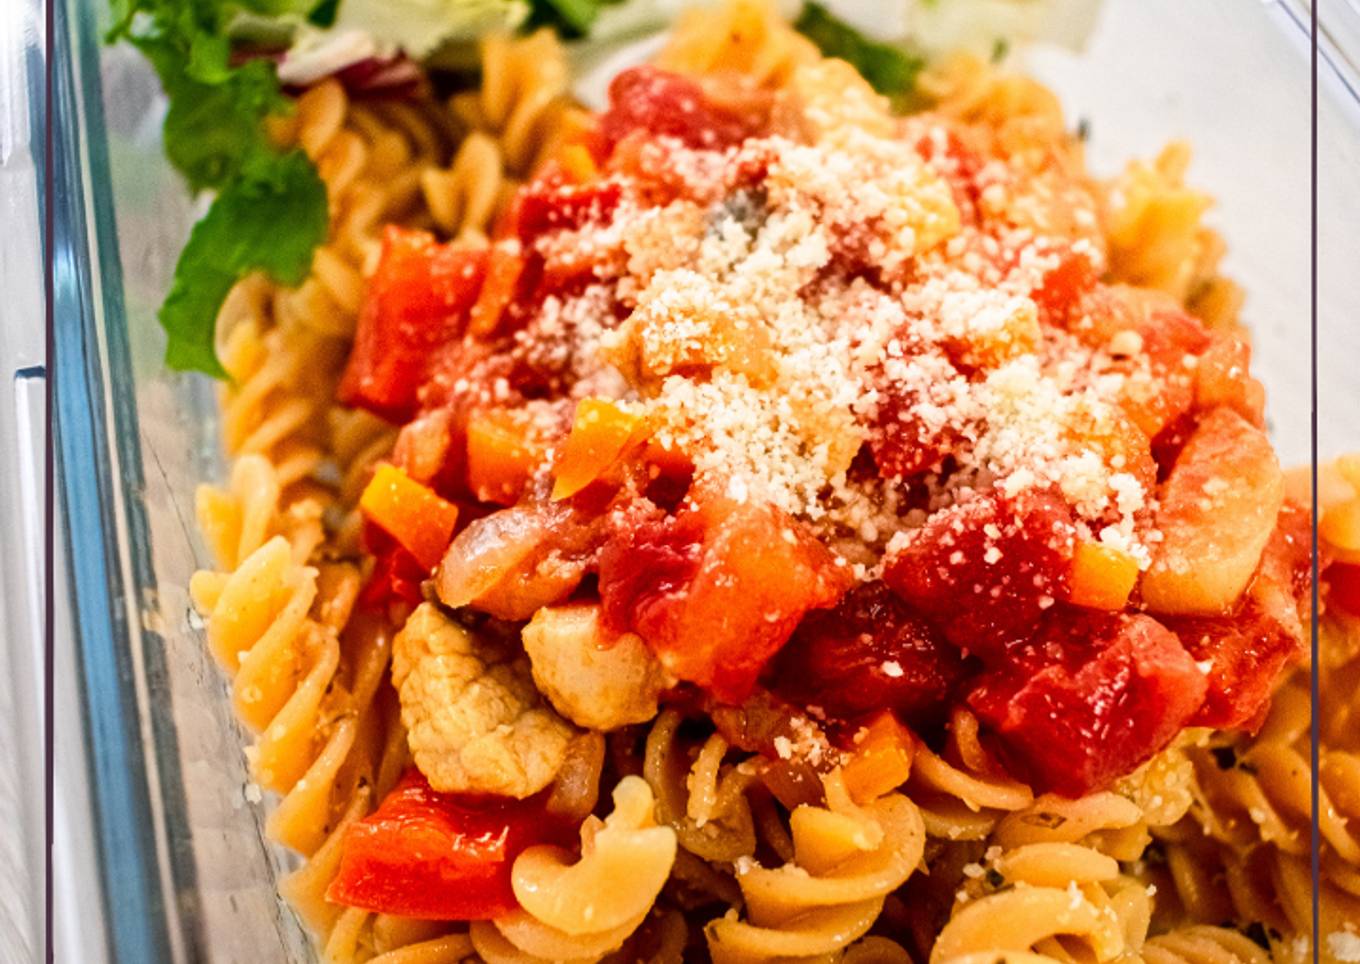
846	860
521	116
1204	944
281	383
574	909
961	792
305	671
1052	893
697	795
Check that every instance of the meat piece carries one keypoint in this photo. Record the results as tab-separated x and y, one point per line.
1245	652
596	679
1217	510
474	721
513	562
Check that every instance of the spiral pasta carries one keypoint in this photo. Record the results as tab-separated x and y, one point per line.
846	860
573	910
747	38
521	115
1046	894
1157	239
963	793
280	385
304	673
370	156
703	800
1203	943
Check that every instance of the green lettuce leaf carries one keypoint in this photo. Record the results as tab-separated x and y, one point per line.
889	70
270	217
270	212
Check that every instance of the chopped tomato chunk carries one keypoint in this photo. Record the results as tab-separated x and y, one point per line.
437	856
396	575
1064	285
985	571
869	653
667	105
1171	340
418	299
1343	582
1090	698
1244	653
551	204
903	443
717	589
504	268
411	513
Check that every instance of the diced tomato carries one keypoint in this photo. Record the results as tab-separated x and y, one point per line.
1343	586
1120	443
1223	377
958	164
1245	653
436	856
902	442
668	105
1064	286
556	204
717	589
1172	340
396	575
504	268
869	653
1088	699
985	571
418	300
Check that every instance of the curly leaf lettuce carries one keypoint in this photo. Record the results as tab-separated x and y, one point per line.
888	69
269	213
270	219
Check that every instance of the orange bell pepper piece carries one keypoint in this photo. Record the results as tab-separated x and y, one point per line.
501	454
411	513
503	269
881	760
577	164
599	433
1102	576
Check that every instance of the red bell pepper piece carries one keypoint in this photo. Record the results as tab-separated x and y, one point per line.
436	856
